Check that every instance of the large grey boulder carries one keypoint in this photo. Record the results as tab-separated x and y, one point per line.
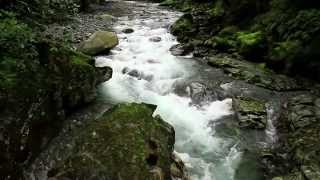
99	42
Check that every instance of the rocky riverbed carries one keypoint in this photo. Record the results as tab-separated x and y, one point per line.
165	111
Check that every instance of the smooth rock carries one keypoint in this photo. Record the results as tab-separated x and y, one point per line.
99	42
155	39
128	31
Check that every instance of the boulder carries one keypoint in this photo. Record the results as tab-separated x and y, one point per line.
183	27
155	39
125	143
253	73
181	50
251	113
128	31
99	42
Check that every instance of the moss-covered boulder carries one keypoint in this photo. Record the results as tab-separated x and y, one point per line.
183	28
125	143
99	42
44	90
251	113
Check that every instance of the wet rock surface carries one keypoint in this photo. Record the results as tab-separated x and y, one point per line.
180	50
251	113
254	74
128	31
299	130
155	39
126	142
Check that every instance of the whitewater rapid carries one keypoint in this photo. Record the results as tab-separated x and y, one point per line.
145	71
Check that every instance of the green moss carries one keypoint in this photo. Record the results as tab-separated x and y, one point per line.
120	143
251	105
7	81
183	26
285	50
248	39
224	42
80	59
217	10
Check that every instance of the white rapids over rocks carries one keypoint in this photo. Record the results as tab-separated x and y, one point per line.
206	156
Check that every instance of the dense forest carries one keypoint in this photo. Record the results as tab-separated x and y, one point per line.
173	89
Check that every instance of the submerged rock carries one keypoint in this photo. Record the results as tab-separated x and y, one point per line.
99	42
125	143
155	39
128	31
251	113
136	74
199	92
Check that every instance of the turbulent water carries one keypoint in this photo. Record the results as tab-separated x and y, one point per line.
145	71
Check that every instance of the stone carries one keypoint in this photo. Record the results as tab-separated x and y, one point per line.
128	31
155	39
127	142
253	73
251	113
180	50
99	42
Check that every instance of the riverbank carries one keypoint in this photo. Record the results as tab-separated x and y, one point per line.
253	42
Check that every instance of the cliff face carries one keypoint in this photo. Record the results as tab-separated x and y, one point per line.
280	33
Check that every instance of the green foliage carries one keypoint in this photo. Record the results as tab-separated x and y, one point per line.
16	48
15	36
42	11
249	39
183	26
218	9
285	50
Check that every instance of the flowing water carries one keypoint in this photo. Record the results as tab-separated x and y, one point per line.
145	71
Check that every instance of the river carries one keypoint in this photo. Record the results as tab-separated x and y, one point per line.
144	70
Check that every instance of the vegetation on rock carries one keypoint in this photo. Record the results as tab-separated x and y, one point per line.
270	31
41	80
125	143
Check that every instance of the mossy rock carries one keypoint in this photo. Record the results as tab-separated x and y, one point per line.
99	42
125	143
217	10
183	27
251	44
253	73
251	113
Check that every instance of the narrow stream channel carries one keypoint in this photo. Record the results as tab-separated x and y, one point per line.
145	71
